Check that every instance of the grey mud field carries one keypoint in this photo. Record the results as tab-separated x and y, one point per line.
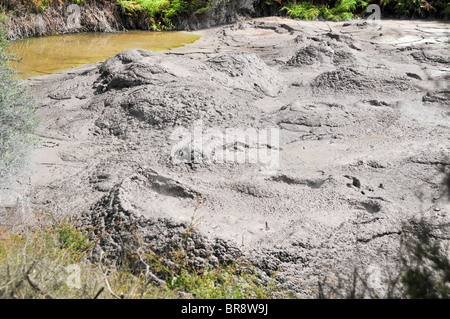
363	116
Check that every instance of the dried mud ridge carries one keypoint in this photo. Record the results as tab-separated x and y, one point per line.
363	115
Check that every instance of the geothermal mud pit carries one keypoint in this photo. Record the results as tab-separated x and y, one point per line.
363	118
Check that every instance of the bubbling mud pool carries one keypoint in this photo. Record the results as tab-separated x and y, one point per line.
45	55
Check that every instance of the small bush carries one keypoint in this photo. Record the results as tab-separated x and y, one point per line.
342	10
53	259
302	11
35	263
235	281
416	8
162	12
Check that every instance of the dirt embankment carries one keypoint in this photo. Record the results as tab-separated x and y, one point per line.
95	16
59	18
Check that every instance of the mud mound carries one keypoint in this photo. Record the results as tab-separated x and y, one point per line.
313	54
246	71
134	68
235	70
342	57
127	211
305	56
148	193
161	108
161	91
355	80
164	106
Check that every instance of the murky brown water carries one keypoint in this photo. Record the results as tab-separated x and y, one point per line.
56	53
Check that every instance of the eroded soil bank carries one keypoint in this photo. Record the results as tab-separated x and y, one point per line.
60	17
363	119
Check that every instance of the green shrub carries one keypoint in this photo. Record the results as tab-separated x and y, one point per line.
72	237
35	265
346	9
416	8
37	261
342	10
162	12
233	281
302	11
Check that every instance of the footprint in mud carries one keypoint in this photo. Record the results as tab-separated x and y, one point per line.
370	206
310	182
150	194
167	186
355	182
423	57
253	190
299	116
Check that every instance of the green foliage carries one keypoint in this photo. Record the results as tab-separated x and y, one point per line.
342	10
71	237
162	12
302	11
34	263
225	280
203	10
235	281
345	9
416	8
